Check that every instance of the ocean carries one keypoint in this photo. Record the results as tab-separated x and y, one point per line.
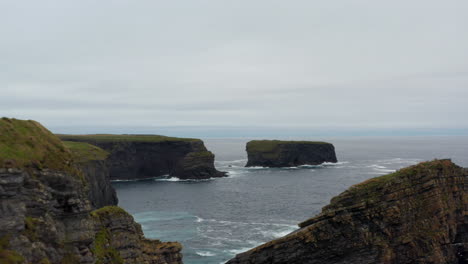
218	218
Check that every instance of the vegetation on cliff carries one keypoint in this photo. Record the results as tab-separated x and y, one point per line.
29	144
415	215
99	138
271	145
83	152
46	210
280	153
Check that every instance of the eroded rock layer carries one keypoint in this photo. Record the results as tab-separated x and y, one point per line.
416	215
147	156
277	153
46	215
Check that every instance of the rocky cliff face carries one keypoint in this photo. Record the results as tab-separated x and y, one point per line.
46	215
139	157
276	153
416	215
90	160
101	192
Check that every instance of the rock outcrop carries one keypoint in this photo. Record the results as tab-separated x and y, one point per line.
277	153
90	160
416	215
147	156
46	215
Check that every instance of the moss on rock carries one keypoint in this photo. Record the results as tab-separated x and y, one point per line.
26	143
110	210
84	152
8	256
122	138
102	250
271	145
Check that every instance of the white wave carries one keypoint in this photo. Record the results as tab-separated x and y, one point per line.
385	170
154	216
199	219
237	251
335	163
376	166
205	253
175	179
277	234
143	179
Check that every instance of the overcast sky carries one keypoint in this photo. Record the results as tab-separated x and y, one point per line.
348	64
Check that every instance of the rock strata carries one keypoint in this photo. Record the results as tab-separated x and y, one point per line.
147	156
277	153
416	215
90	160
46	215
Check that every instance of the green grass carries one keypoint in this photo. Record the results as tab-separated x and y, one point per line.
30	230
103	251
271	145
370	190
83	152
122	138
26	143
110	210
8	256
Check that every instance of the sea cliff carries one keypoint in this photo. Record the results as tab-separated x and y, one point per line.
46	212
278	153
90	160
415	215
146	156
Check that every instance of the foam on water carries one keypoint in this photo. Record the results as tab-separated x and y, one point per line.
205	253
218	218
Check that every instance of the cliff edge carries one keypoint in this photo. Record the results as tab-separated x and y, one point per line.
147	156
46	215
91	161
278	153
415	215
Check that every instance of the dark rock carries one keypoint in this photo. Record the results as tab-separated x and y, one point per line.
416	215
139	157
101	192
276	153
46	215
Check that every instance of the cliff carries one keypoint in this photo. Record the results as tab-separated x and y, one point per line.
46	215
147	156
90	160
276	153
416	215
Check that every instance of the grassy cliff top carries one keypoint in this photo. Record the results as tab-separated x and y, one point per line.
370	190
270	145
26	143
83	152
122	138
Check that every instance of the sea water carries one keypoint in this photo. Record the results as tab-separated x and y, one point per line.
218	218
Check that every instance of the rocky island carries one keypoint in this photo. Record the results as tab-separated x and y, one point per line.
50	196
278	153
146	156
415	215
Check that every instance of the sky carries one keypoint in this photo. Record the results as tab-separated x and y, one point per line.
234	67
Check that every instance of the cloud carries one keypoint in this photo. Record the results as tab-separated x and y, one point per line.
353	64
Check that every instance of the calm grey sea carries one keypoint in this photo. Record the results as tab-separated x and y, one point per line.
216	219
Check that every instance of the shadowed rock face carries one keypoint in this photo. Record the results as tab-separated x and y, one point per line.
276	153
46	216
101	192
46	212
139	159
416	215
